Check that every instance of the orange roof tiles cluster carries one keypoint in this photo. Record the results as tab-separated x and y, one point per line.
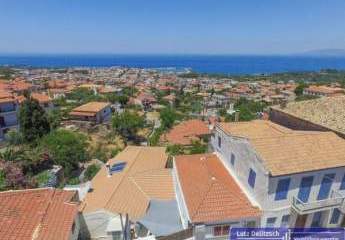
186	132
324	89
89	109
210	193
37	214
285	151
129	191
7	97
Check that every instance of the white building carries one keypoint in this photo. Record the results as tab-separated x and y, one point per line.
295	177
209	199
9	108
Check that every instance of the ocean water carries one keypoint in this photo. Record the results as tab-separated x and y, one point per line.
227	64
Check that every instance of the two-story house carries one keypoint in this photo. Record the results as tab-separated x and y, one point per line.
8	113
210	201
297	178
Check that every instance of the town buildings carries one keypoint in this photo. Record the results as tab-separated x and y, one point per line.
323	91
296	178
209	199
323	114
39	214
94	112
125	187
187	132
9	108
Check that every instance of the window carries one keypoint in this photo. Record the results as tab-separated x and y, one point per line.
221	230
316	219
304	188
271	221
251	178
251	224
232	160
335	216
219	142
282	189
285	221
325	187
342	185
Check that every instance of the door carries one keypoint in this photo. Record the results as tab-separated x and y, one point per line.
300	221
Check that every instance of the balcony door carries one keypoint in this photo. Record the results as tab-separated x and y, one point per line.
300	221
326	186
305	188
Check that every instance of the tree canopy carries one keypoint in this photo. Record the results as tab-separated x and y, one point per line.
33	120
127	124
66	148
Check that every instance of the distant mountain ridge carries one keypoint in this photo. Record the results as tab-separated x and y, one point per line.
325	53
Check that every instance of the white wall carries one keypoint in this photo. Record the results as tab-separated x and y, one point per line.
264	191
180	200
245	159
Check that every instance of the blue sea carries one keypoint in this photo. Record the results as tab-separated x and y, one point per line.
227	64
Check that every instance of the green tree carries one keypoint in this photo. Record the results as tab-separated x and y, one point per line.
167	117
66	148
197	148
14	137
174	150
54	118
127	124
2	180
33	120
300	88
91	171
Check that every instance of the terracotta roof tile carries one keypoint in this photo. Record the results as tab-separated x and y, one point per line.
186	132
91	107
211	194
286	151
37	214
129	191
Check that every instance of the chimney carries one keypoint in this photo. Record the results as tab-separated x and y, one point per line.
108	169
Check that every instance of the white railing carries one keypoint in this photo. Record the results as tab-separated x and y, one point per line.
336	200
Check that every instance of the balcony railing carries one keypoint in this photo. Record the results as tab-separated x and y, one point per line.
8	110
336	200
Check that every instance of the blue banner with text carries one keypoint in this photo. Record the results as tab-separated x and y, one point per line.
287	234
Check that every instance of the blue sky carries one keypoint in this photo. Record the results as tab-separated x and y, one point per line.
177	27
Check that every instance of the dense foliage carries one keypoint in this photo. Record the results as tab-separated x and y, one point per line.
33	120
127	124
66	148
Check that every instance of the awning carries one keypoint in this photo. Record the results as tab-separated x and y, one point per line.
162	218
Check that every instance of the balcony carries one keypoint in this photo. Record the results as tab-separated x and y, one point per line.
336	200
8	110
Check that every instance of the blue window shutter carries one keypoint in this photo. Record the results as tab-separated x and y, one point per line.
335	216
232	159
342	185
326	186
285	221
316	222
282	189
271	221
305	188
251	178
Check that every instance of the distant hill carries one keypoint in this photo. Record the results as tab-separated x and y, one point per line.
325	53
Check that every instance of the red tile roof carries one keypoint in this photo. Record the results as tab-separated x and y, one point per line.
37	214
210	192
186	132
